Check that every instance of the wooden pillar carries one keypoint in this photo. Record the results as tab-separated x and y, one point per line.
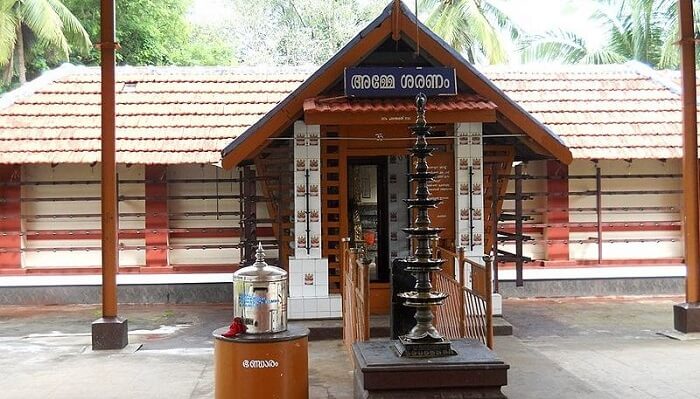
495	190
110	215
249	233
519	263
10	218
599	212
557	213
686	316
690	152
110	331
157	238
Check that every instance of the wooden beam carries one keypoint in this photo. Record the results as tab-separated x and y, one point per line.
393	118
157	224
10	218
283	117
480	85
558	185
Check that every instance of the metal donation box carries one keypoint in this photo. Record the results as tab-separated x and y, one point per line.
258	356
260	298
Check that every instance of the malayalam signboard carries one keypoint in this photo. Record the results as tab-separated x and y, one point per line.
400	81
442	163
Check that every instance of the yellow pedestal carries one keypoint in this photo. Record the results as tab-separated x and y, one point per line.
270	366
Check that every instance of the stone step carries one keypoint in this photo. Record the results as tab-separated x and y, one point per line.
379	328
501	327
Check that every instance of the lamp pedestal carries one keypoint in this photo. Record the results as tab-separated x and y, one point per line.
474	372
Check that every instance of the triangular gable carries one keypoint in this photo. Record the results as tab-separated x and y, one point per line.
396	21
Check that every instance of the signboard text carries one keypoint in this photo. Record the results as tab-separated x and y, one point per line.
399	82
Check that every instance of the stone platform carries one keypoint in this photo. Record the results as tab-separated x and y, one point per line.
475	372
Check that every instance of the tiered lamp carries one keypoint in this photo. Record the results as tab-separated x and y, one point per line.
423	340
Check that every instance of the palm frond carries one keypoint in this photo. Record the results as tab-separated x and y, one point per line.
41	18
554	46
604	55
473	27
566	47
485	34
8	36
72	28
616	28
502	20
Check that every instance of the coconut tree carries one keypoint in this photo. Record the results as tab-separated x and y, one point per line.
642	30
568	47
44	23
479	29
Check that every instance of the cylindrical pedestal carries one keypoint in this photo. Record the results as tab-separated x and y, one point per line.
274	366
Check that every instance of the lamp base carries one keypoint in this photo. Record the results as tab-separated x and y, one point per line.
405	347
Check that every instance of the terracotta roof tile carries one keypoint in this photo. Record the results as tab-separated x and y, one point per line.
164	115
600	112
463	102
185	115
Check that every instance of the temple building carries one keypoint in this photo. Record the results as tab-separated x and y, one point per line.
565	172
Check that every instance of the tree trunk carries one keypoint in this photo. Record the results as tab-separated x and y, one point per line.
19	56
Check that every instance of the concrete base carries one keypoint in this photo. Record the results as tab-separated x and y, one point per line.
496	304
686	317
594	287
475	372
141	293
501	327
110	333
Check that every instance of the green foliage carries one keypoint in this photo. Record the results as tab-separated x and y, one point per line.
561	46
29	28
641	30
479	29
153	33
297	32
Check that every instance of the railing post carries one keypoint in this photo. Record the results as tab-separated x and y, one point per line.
519	225
489	302
365	300
347	257
462	284
352	279
344	253
599	212
494	219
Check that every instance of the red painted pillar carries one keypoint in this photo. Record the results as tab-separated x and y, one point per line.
557	213
10	218
157	221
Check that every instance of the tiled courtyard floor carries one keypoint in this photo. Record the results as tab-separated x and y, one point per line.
573	348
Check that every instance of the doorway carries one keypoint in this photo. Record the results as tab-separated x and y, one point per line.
367	183
376	215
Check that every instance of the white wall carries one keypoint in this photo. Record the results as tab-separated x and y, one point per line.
631	250
92	258
611	251
207	256
73	172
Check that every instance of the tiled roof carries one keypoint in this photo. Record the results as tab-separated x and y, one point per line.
463	102
187	115
600	112
164	115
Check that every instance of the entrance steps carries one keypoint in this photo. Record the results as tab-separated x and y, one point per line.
379	327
